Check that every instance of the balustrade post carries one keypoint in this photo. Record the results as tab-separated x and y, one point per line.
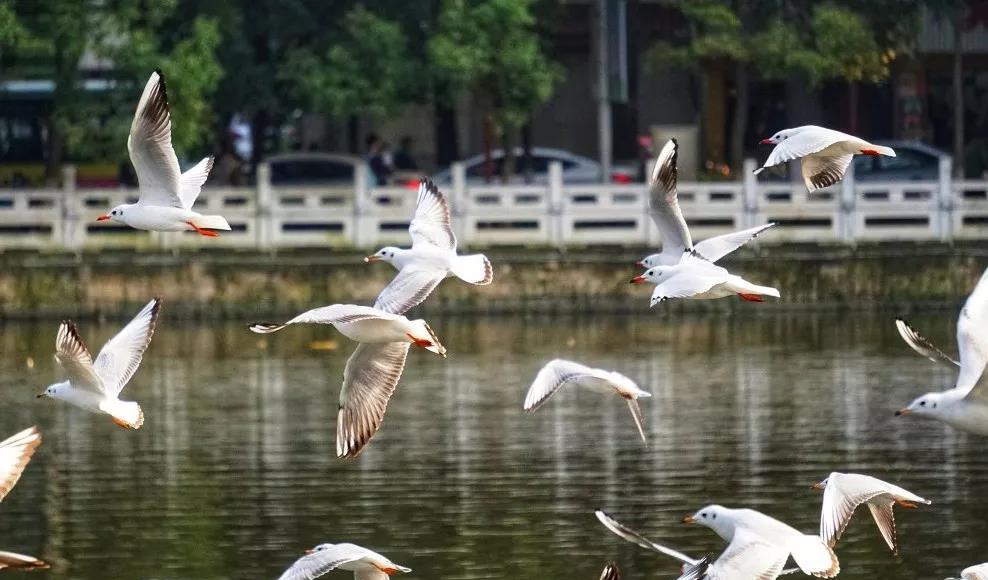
943	207
555	204
66	231
363	234
460	202
263	208
749	191
847	208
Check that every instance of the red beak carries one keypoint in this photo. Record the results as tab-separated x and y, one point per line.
638	279
103	218
766	141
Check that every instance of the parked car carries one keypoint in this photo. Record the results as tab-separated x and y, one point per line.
913	161
316	168
576	169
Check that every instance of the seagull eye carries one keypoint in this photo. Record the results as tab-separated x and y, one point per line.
703	515
714	517
922	403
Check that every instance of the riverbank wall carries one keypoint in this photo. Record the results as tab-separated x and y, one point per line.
235	285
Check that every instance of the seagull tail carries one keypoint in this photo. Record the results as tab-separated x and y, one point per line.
126	414
211	222
886	151
425	337
475	269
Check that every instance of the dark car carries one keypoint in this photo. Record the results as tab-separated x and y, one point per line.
913	161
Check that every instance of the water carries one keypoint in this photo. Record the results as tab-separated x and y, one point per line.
234	473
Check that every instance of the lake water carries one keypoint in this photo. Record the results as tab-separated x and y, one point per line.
233	475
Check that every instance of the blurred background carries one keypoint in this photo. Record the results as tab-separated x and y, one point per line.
413	86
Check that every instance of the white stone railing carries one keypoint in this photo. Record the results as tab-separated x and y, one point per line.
556	214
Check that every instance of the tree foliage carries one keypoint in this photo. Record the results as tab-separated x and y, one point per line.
492	48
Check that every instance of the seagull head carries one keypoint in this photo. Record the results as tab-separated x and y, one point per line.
714	517
653	275
386	254
929	405
648	261
116	214
820	485
55	391
779	137
318	548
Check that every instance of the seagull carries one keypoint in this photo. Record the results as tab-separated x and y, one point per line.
95	385
668	217
977	572
922	345
752	533
825	153
365	564
372	372
15	454
561	372
964	407
844	492
431	258
697	279
167	194
746	556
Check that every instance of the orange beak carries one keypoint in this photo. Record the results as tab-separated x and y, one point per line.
689	520
103	218
766	142
309	552
818	486
902	412
638	279
372	258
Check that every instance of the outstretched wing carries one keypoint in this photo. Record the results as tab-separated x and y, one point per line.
634	537
322	561
807	142
72	354
748	556
15	453
369	379
150	146
190	184
551	378
663	203
921	344
431	224
408	289
840	499
972	340
333	314
16	561
715	248
683	286
122	354
610	572
820	171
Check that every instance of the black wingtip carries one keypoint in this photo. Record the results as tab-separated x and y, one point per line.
428	185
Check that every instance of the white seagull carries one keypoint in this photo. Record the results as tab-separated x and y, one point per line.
167	194
977	572
372	371
697	279
964	407
560	372
746	556
365	564
844	492
664	208
95	385
824	153
431	258
15	454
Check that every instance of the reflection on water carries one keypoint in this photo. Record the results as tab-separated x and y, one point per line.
234	474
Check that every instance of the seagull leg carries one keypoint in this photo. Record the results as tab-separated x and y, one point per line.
906	504
202	232
751	297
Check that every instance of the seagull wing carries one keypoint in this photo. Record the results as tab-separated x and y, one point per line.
842	496
431	224
715	248
748	556
150	146
552	377
663	204
610	572
15	453
122	354
72	354
16	561
408	289
684	285
807	142
190	184
333	314
636	414
320	562
821	170
921	344
634	537
972	340
979	572
696	571
369	379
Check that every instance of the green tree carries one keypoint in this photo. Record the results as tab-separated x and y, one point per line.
492	49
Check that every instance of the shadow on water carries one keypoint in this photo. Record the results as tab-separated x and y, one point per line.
234	473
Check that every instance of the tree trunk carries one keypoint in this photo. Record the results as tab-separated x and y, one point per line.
958	90
508	157
740	122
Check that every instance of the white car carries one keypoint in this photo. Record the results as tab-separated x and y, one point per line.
576	169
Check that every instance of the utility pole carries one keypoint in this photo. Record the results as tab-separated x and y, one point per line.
604	137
